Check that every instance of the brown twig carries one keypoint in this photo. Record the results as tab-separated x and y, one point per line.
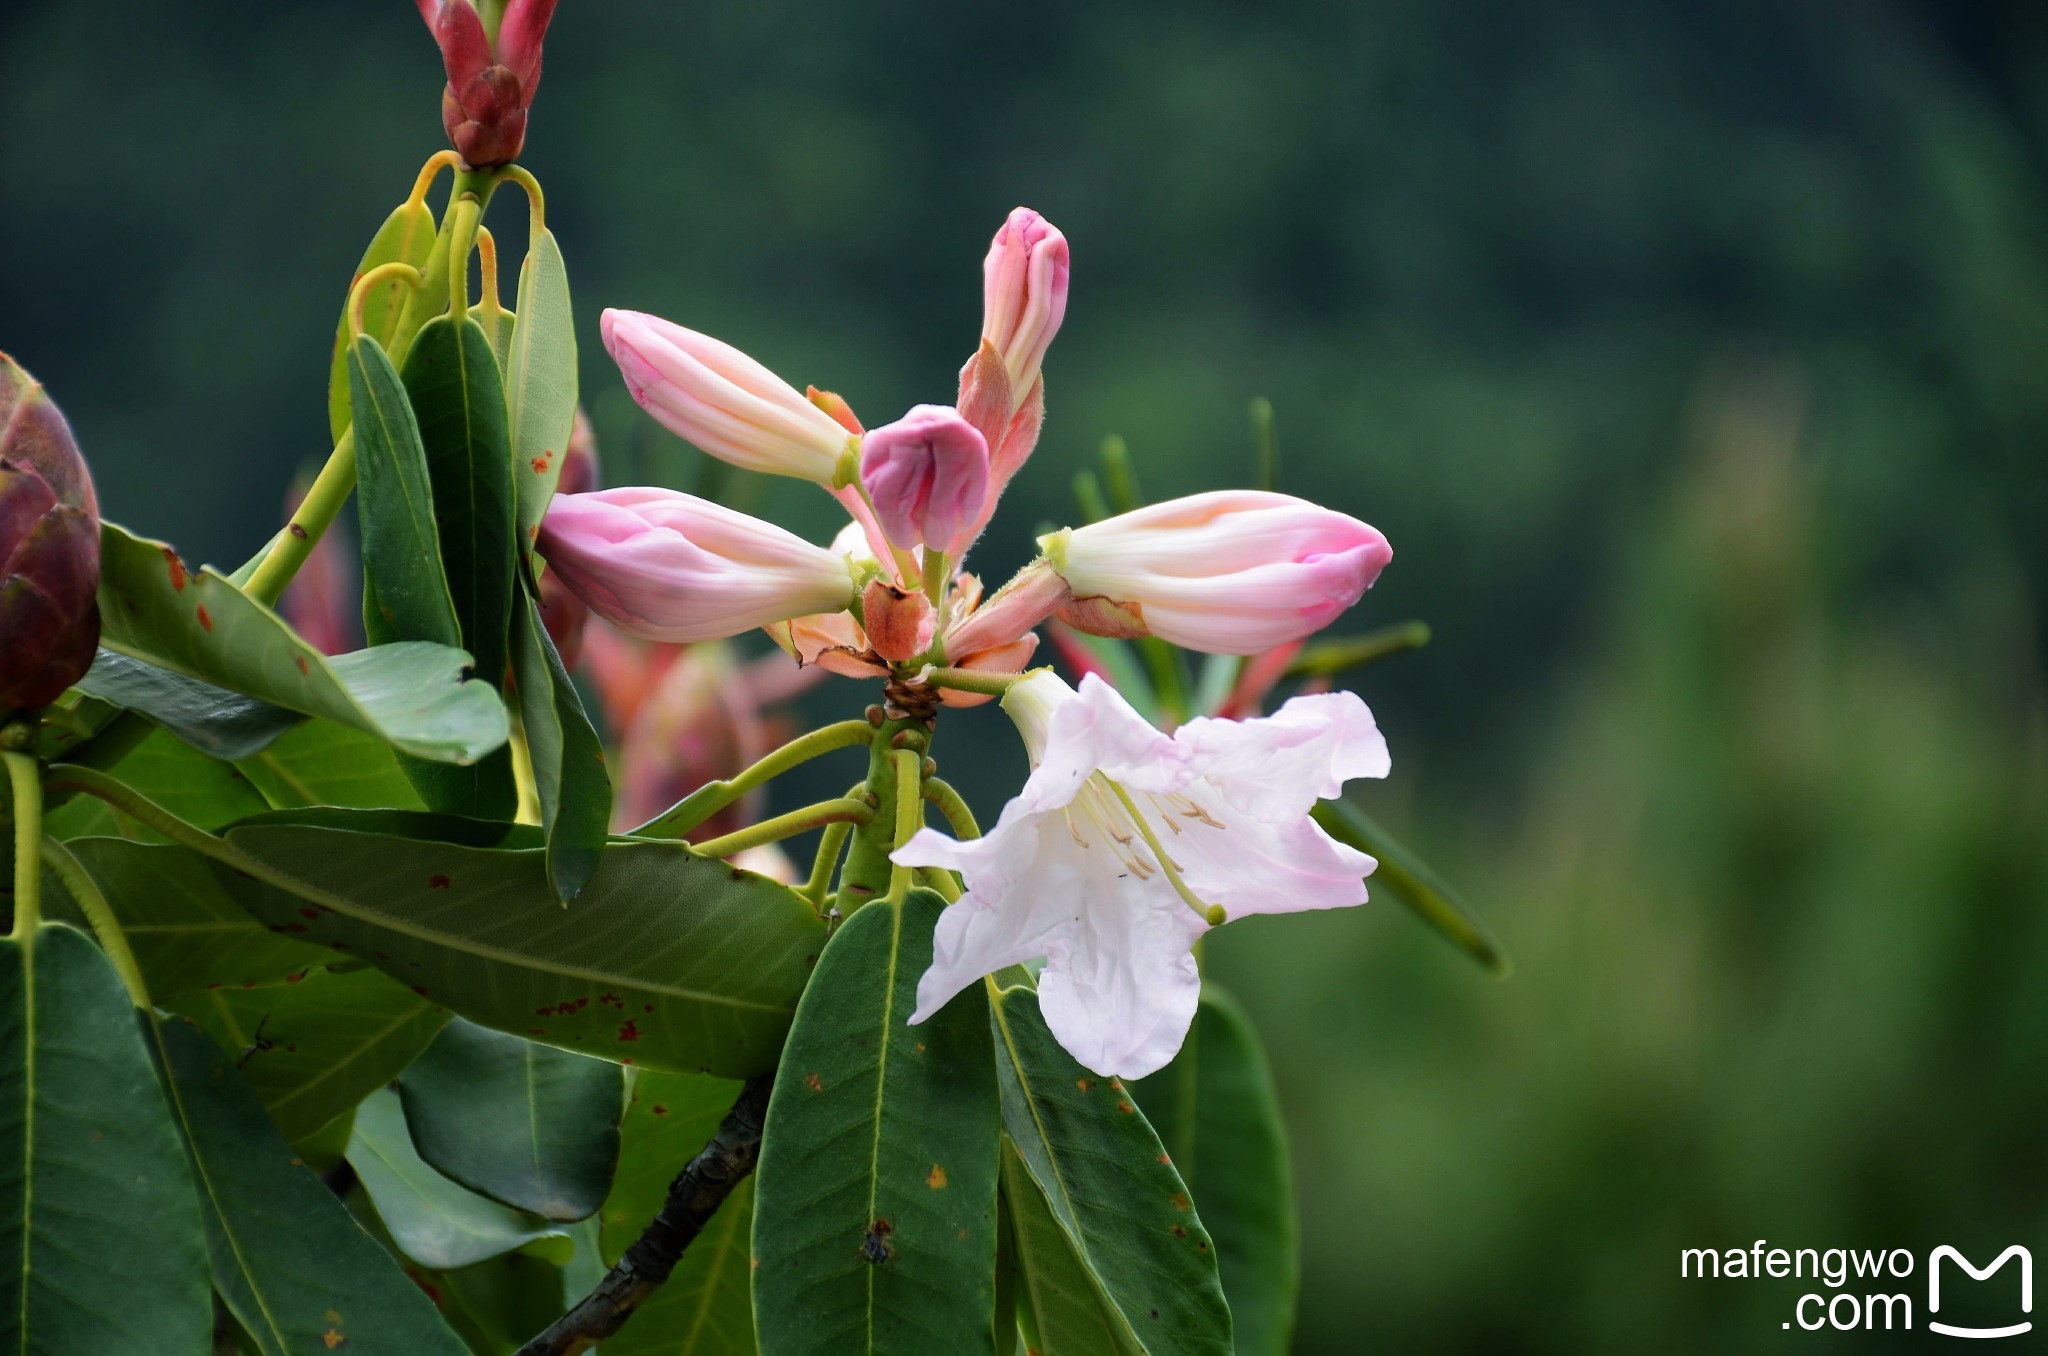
693	1198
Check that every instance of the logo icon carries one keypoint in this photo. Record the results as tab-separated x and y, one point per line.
1934	1289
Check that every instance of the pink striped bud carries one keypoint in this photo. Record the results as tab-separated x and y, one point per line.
1231	572
928	476
722	400
1024	295
669	566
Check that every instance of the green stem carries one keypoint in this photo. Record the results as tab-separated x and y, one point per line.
93	904
953	806
708	799
847	811
310	521
972	680
909	815
28	836
941	881
830	846
868	871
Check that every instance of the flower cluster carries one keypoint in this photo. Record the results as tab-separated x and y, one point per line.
1101	895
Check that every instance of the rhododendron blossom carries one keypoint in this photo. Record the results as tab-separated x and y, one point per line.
1126	845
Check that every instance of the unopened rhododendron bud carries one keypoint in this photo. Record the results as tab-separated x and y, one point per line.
722	400
1024	295
670	566
928	476
49	548
1230	572
491	78
899	623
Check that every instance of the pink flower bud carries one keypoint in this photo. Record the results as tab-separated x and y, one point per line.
490	87
928	476
1035	593
899	624
722	400
1024	296
670	566
1231	572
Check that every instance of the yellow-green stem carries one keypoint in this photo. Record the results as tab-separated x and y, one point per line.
847	811
100	915
953	806
909	815
830	845
28	836
310	520
708	799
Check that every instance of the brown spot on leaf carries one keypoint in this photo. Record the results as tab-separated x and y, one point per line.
438	882
332	1338
660	1110
1084	1083
176	568
1180	1231
204	620
1180	1201
1126	1108
875	1248
630	1031
936	1178
305	670
814	1083
308	911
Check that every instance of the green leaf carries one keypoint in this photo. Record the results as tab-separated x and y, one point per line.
406	237
540	382
1061	1308
667	960
1110	1186
198	789
295	1270
452	380
526	1124
1217	1113
499	1303
569	774
458	398
500	333
103	1247
1411	881
435	1222
315	1048
413	695
188	935
322	763
395	505
874	1215
213	720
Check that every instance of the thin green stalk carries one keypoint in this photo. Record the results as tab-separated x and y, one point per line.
310	520
847	811
972	680
107	928
953	806
941	880
867	874
708	799
830	846
909	815
28	836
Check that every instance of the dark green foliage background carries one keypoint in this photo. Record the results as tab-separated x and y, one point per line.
1695	359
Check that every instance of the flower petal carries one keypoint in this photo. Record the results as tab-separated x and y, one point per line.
1277	767
1120	989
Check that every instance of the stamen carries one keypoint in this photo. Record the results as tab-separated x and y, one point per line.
1211	914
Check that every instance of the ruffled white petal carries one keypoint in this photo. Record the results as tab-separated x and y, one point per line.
1119	989
1279	766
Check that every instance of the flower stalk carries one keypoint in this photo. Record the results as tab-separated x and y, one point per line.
708	799
28	837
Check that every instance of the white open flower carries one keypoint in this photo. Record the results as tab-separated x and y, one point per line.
1127	844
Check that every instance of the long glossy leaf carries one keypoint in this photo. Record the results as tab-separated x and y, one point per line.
198	789
540	381
295	1270
100	1234
213	720
322	763
395	504
1411	881
526	1124
451	378
874	1210
569	773
315	1048
414	695
436	1222
1217	1113
406	237
187	933
667	960
1061	1307
1111	1186
704	1308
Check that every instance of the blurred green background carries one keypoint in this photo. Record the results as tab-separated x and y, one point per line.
1691	356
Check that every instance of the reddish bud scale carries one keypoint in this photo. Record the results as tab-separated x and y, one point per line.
49	548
